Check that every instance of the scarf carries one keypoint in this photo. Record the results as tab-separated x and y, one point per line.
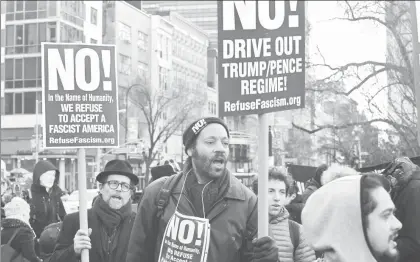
114	226
110	218
212	192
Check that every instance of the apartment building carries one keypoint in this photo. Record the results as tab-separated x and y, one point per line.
28	24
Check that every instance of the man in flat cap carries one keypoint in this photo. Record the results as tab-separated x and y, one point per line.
203	213
110	219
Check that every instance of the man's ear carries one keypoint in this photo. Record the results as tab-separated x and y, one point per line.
292	196
189	152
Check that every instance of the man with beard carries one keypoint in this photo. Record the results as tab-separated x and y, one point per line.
352	219
404	177
204	191
110	219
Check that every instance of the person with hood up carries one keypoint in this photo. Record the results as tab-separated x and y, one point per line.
404	177
286	233
16	226
336	171
352	219
46	204
314	183
110	219
205	193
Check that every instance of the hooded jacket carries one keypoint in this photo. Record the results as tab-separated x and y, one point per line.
46	207
279	230
332	221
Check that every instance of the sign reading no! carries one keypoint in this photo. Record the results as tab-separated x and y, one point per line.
80	96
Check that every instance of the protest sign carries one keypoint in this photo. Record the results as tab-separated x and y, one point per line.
261	56
186	239
80	96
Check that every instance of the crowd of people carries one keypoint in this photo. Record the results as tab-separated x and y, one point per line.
342	215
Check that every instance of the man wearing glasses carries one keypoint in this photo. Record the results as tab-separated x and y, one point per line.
110	219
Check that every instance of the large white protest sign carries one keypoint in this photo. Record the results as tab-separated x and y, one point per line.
262	56
186	239
80	96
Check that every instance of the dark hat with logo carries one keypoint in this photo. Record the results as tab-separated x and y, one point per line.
192	132
118	167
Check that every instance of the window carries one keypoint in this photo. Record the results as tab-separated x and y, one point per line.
70	34
142	41
142	71
21	103
124	32
25	38
31	38
212	107
51	33
19	10
23	72
93	16
93	41
164	47
124	66
73	12
163	78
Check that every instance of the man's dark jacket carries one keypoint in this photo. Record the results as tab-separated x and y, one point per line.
407	202
64	249
46	207
233	221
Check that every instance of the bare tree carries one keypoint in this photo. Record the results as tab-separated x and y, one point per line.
394	16
165	111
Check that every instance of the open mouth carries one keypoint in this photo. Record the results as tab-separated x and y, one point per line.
116	198
393	240
219	161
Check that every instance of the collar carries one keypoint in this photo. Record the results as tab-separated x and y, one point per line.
235	191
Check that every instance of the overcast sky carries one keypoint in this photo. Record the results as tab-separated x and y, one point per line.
342	42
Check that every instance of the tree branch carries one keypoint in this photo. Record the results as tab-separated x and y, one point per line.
383	120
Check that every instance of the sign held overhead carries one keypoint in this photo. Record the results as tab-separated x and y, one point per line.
262	62
80	96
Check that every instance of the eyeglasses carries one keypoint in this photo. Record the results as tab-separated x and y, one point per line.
113	184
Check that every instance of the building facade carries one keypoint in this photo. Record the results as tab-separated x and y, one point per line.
184	67
27	25
201	13
3	44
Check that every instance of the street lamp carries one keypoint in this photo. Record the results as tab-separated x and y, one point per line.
36	131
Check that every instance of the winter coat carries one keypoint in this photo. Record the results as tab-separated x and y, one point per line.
407	202
24	241
233	221
46	207
64	249
310	188
279	230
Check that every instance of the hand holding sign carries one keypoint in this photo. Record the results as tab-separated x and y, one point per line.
82	241
265	249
